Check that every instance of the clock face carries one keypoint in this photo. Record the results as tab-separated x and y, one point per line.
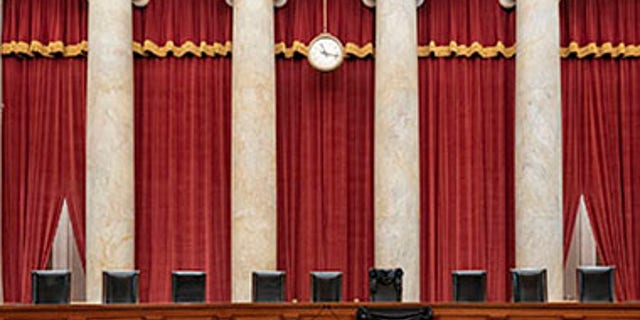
326	52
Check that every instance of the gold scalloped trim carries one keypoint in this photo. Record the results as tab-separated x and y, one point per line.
150	48
350	49
459	50
599	51
50	50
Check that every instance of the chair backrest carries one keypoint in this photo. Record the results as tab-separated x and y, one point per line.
50	286
596	284
394	313
188	286
268	286
326	286
529	285
469	285
120	286
385	285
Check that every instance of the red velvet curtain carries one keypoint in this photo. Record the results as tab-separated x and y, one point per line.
43	138
601	125
183	147
325	151
467	116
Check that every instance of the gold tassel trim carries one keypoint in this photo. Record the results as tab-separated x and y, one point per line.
50	50
460	50
150	48
600	51
350	49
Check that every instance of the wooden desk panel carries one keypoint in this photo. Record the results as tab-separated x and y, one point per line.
320	311
538	311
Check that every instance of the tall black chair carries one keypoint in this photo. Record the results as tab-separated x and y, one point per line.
326	286
596	284
188	286
268	286
469	285
120	286
394	313
385	285
50	286
529	285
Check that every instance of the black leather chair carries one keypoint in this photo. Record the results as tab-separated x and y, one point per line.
385	285
596	284
469	285
120	286
268	286
394	313
50	286
188	286
326	286
529	285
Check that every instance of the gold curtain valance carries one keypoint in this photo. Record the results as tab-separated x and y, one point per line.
607	49
203	49
454	49
51	50
149	48
590	50
298	47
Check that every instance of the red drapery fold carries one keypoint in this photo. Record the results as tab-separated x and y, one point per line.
325	152
467	116
601	126
183	146
45	21
43	138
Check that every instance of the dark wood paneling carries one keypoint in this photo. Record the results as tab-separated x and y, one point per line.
319	311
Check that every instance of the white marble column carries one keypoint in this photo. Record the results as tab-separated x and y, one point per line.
110	153
539	141
397	185
253	145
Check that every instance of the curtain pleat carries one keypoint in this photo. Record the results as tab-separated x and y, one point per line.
467	118
601	126
183	150
43	139
325	152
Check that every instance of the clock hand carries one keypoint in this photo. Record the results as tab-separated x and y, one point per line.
324	51
335	55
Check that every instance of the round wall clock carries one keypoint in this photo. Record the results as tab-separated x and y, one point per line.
326	52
